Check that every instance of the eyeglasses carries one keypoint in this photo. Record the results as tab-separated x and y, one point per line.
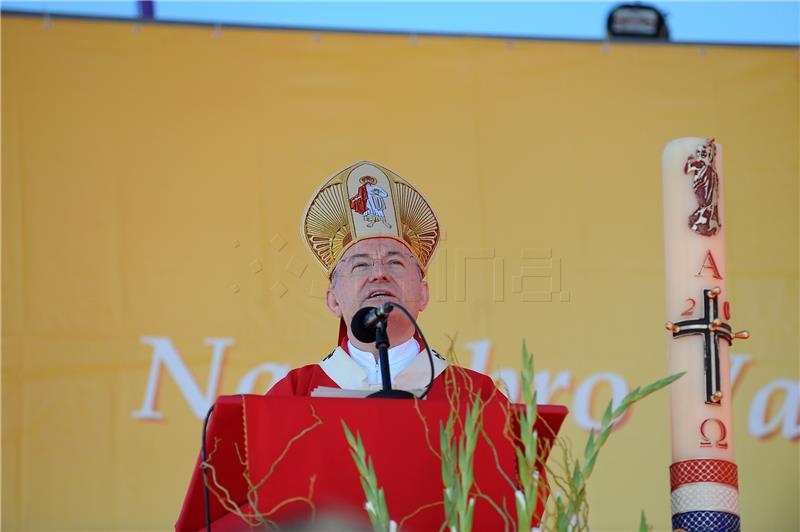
396	264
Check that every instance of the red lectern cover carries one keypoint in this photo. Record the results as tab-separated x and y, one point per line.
289	458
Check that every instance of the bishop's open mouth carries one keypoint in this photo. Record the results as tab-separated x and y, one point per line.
379	294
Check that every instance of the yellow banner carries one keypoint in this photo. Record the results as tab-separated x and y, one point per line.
154	179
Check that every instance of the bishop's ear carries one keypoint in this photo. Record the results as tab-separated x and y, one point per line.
333	303
424	295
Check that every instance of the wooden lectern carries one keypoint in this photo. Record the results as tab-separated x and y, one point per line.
288	457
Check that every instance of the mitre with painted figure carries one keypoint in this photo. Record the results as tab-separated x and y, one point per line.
366	200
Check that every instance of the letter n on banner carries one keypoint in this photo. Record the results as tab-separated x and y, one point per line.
164	353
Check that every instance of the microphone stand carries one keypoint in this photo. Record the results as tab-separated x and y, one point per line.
382	343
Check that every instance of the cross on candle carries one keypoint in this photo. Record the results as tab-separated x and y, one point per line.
712	328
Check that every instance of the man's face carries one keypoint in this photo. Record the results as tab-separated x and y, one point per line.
704	154
373	272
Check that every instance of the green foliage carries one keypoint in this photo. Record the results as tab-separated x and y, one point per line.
376	502
457	467
449	471
567	511
643	524
527	454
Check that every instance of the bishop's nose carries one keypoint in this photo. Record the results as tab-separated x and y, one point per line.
378	272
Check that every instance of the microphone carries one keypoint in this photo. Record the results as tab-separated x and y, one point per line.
366	320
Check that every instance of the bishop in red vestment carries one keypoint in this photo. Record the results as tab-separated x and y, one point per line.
368	266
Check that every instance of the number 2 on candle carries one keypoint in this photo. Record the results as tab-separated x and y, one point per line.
692	304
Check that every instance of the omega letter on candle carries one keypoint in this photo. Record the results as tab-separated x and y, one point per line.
703	474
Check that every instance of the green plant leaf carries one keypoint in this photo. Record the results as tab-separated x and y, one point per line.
606	416
379	514
643	526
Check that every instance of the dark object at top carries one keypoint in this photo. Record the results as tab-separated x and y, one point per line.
637	21
147	10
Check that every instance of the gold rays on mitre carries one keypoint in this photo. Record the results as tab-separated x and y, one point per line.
420	226
326	226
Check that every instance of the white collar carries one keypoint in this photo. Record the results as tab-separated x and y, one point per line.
348	375
400	357
397	354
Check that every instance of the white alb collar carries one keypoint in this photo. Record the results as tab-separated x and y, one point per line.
399	358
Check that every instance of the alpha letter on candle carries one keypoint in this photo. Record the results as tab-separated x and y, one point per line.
710	264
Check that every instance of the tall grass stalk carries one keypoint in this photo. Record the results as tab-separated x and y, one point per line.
527	454
457	467
567	511
376	501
